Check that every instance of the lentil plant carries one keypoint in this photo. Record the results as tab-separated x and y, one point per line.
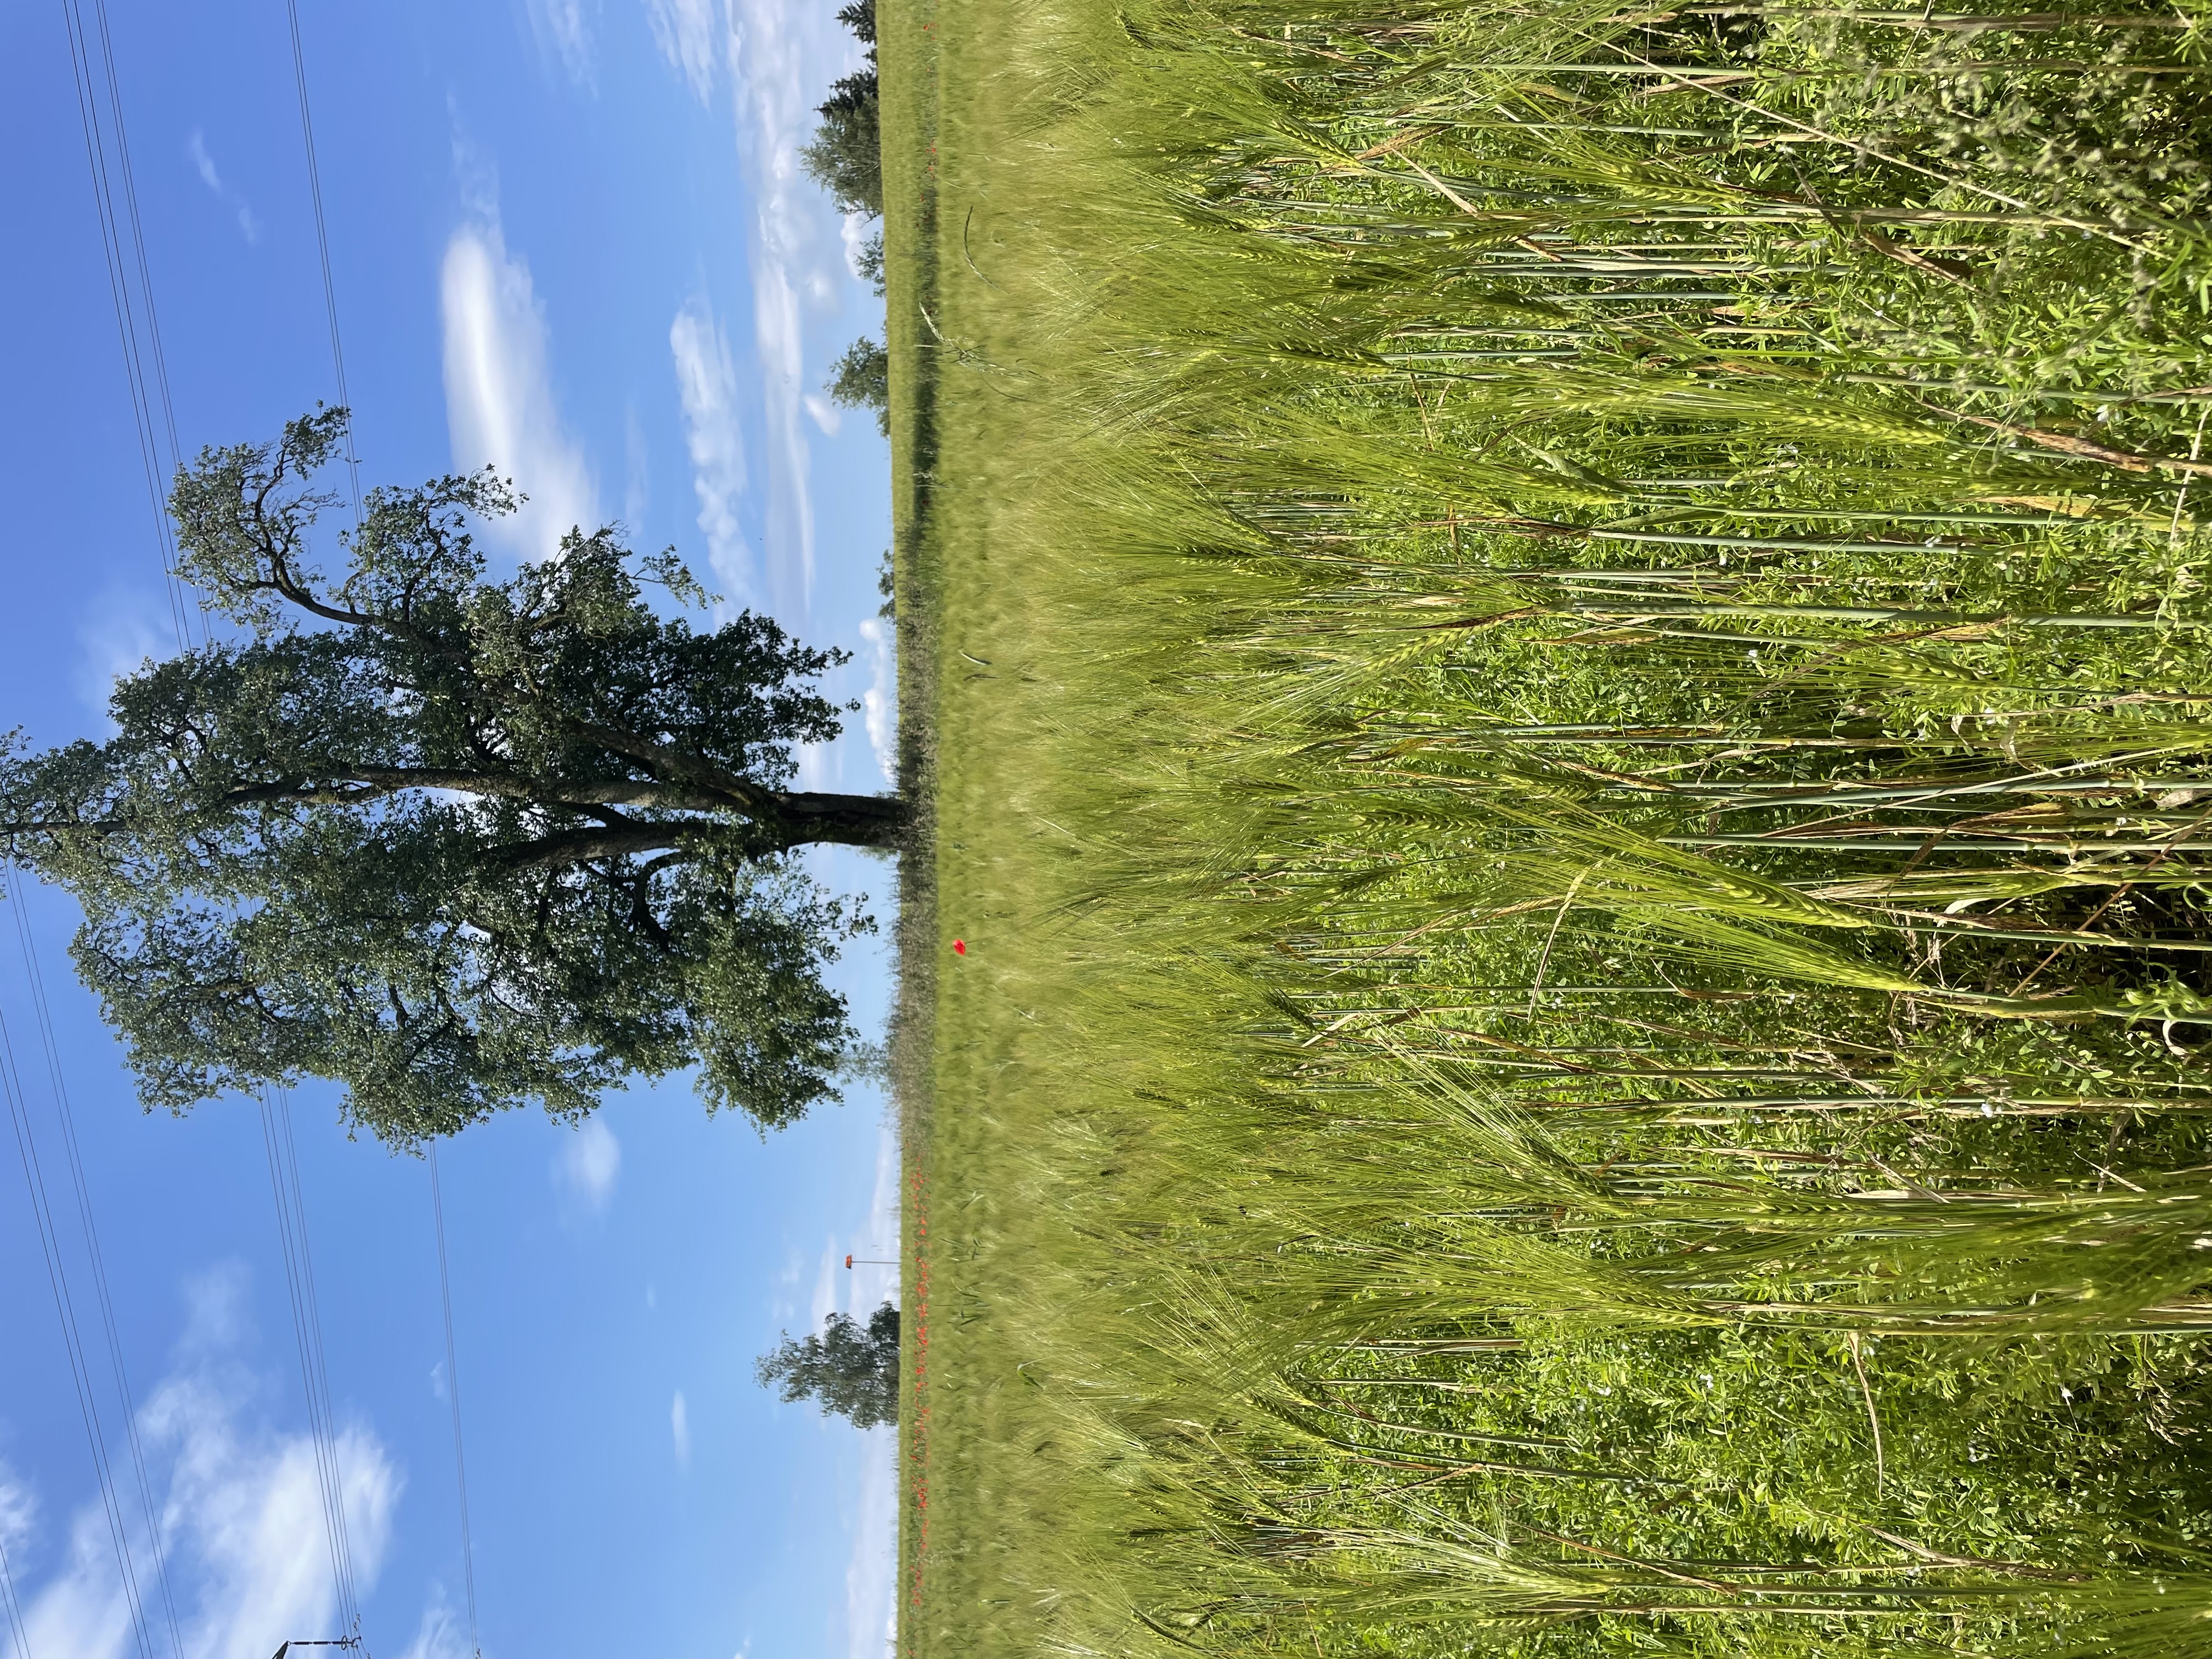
1572	693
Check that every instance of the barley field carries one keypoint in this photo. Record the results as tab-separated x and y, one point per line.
1561	658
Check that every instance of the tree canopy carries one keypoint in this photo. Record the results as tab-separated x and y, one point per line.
861	378
458	843
846	157
852	1369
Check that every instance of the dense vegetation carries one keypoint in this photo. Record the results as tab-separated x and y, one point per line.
1570	683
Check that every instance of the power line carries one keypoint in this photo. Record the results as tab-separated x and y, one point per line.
307	1329
67	1115
454	1395
138	329
35	1182
322	244
14	1607
145	369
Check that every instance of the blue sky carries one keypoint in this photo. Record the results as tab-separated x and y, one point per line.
568	238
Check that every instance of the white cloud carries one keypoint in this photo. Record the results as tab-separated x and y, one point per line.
500	407
242	1540
440	1635
878	712
825	414
778	341
779	51
856	231
563	30
19	1509
203	164
589	1164
679	1429
125	627
684	32
708	384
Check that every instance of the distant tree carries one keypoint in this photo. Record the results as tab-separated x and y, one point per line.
869	261
846	156
861	378
457	844
849	1368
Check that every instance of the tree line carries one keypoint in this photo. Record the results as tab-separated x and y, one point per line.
846	158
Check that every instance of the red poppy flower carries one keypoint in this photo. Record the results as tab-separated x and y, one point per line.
959	947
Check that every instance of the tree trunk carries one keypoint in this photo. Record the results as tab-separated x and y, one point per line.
810	816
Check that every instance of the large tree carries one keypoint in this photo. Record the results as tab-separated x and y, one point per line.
852	1369
458	843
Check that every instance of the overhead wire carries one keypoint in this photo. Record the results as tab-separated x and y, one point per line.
35	1182
139	330
138	324
66	1113
323	244
15	1607
454	1396
307	1331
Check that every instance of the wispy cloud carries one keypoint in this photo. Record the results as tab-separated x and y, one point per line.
685	30
440	1635
248	226
241	1527
878	710
564	31
708	384
589	1163
679	1429
124	628
780	51
500	407
19	1509
856	231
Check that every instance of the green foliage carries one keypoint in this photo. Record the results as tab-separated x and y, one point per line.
869	263
1572	704
455	843
861	378
845	156
850	1369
